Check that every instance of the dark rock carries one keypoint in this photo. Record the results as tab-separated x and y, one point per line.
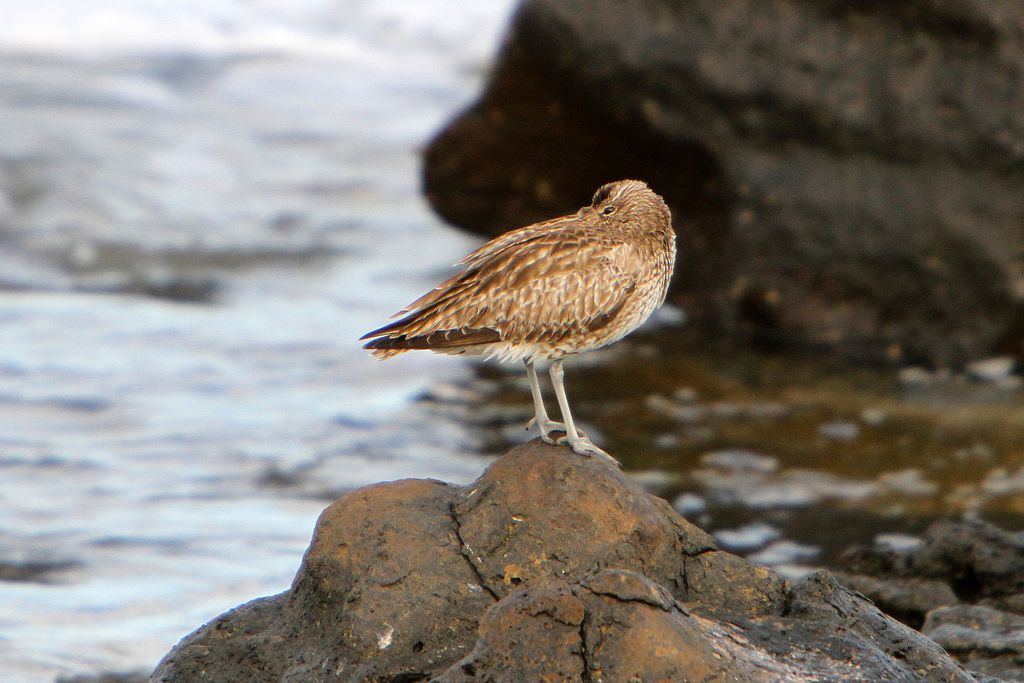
975	559
957	562
548	567
979	559
821	598
987	640
906	599
827	163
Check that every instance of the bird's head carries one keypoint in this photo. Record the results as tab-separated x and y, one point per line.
629	202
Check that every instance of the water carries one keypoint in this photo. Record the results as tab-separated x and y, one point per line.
204	204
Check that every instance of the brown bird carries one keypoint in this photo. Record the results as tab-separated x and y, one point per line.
547	291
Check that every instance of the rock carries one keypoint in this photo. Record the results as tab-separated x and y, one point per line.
975	559
508	649
550	566
384	590
957	562
991	369
979	559
839	430
906	599
724	584
820	597
915	377
619	626
846	175
988	641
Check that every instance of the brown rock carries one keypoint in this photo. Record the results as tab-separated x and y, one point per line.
509	648
383	591
629	635
549	567
619	626
590	516
722	583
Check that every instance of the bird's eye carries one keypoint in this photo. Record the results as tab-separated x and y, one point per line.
608	210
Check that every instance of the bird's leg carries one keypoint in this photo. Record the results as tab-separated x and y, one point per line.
541	418
579	443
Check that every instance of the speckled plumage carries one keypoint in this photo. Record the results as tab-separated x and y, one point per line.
550	289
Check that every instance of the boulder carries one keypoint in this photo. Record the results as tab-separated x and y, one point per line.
550	566
989	641
963	586
844	175
957	561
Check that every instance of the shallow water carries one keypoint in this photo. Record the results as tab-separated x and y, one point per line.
788	459
203	206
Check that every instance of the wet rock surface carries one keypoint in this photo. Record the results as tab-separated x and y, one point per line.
548	567
826	162
963	586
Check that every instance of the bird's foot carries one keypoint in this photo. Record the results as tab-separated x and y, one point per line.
546	428
585	447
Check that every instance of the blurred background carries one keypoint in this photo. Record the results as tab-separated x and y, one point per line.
204	204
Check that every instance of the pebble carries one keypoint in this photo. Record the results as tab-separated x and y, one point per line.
909	482
873	417
740	461
673	410
839	430
899	543
979	452
1010	383
747	538
689	504
784	552
801	488
448	392
686	395
666	441
1000	482
725	409
767	410
991	369
914	377
654	481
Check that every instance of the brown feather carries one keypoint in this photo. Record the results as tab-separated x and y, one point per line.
446	339
555	287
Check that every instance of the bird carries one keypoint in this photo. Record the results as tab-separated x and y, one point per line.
547	291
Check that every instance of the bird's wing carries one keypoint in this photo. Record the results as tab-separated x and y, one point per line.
519	237
476	259
540	287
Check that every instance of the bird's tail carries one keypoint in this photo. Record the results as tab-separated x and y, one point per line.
390	341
